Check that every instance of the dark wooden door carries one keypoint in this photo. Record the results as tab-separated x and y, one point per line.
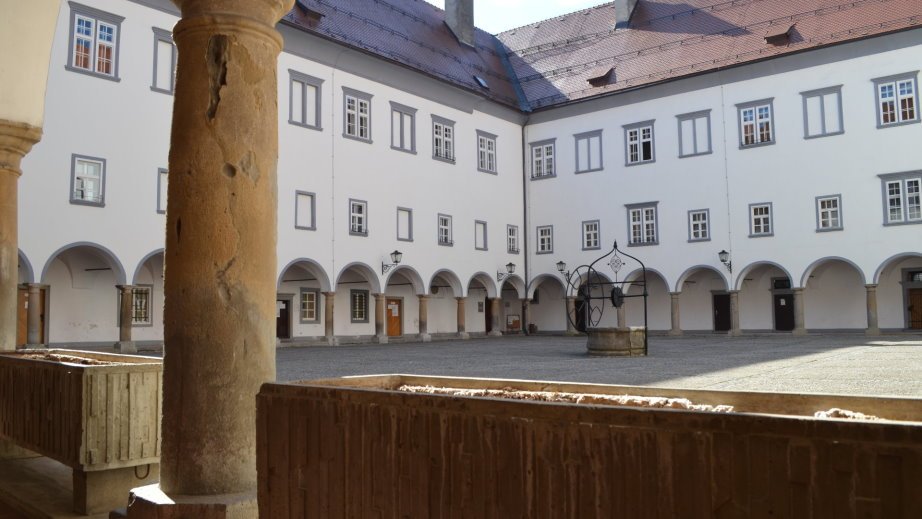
915	308
394	309
784	312
721	312
282	320
488	314
22	312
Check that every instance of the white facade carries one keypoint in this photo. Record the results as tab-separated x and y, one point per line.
121	124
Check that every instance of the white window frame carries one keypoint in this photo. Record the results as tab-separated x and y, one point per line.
696	118
407	115
762	112
512	239
480	224
305	81
486	152
635	136
96	19
592	235
163	36
306	297
699	225
358	220
545	239
443	139
543	159
589	138
163	178
77	182
357	115
829	218
761	220
903	192
898	98
444	230
313	205
643	224
409	212
821	94
358	306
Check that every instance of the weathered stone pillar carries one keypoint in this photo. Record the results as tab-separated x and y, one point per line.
495	307
799	328
462	318
424	319
735	313
329	299
622	317
34	316
526	314
380	331
873	328
676	323
16	139
220	277
571	315
125	344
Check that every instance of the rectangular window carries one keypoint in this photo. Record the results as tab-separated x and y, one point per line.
545	239
358	217
140	306
639	143
823	112
304	100
480	235
88	175
829	213
358	306
902	193
699	226
760	220
512	239
404	224
694	133
357	115
897	99
403	128
642	224
588	151
162	181
486	152
444	224
591	235
94	41
756	123
542	159
443	139
305	211
308	307
164	79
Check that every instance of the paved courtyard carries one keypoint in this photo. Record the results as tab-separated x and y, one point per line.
842	364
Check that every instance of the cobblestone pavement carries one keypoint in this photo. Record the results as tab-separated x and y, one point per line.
840	364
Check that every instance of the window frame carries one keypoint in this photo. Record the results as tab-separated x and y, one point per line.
771	220
639	127
707	223
97	15
755	105
73	180
410	112
598	235
364	231
162	174
352	307
693	117
161	35
486	243
409	224
543	145
895	79
448	141
819	218
822	93
450	242
316	292
901	179
317	83
150	310
359	96
313	197
538	230
643	207
512	239
588	136
487	137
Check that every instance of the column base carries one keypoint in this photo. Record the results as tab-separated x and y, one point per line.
424	337
872	332
573	333
379	339
104	490
675	333
126	347
800	331
34	347
463	335
150	502
735	333
495	334
331	340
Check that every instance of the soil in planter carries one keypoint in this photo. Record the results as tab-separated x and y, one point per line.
63	358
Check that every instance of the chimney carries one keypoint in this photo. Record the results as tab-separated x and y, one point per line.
623	11
459	16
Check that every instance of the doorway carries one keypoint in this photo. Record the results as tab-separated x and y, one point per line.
721	312
915	308
487	310
394	309
783	304
283	319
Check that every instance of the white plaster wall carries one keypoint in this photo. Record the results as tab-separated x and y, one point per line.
83	307
756	300
835	298
474	319
27	27
696	301
659	304
549	313
443	312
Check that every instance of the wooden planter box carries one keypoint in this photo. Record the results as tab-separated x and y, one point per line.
101	420
355	447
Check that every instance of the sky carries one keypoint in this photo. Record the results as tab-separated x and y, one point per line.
496	16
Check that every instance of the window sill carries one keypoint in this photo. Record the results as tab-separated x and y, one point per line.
405	239
446	243
757	145
359	139
643	244
698	240
487	171
543	177
764	235
404	150
443	159
580	172
897	224
830	229
545	252
90	73
362	234
163	91
821	135
77	201
142	325
302	228
512	251
690	155
592	248
315	321
639	163
305	125
881	126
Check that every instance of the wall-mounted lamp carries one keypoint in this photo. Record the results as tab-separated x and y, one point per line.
724	257
396	256
510	269
562	268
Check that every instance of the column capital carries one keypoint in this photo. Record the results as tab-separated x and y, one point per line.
797	290
422	297
126	288
35	286
460	299
16	139
675	294
870	287
329	294
267	12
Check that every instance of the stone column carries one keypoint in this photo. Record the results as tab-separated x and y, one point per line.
799	328
329	298
622	317
526	315
380	330
495	306
220	277
571	315
34	316
462	318
16	139
873	328
424	319
125	344
735	313
676	323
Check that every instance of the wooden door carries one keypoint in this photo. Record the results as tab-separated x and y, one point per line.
721	312
22	319
784	312
394	310
915	308
488	314
282	319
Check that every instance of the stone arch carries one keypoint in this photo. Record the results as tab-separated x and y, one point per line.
635	274
893	259
453	280
314	267
105	254
538	280
365	271
754	265
517	283
26	267
144	260
485	280
658	300
412	276
813	266
689	272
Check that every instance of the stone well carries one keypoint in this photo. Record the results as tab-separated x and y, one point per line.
616	342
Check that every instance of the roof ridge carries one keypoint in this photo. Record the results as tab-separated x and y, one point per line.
555	17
